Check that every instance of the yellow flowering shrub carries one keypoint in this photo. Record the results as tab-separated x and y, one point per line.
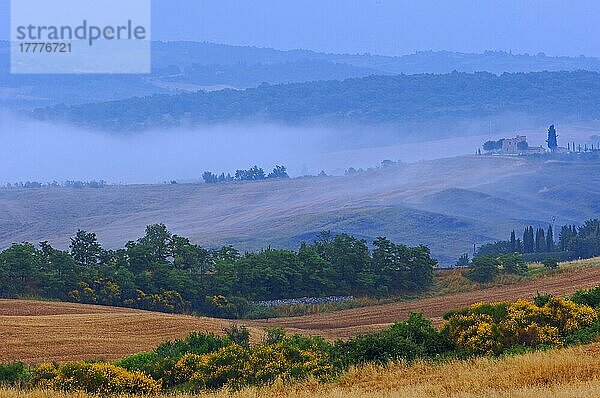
235	365
98	378
42	376
475	332
569	316
213	370
492	328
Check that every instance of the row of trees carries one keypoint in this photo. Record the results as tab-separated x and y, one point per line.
56	184
371	100
540	242
582	241
254	173
162	271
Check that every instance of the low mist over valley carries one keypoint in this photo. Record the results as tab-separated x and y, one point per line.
340	198
217	108
448	204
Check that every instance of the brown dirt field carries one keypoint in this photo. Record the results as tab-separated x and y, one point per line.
34	331
342	324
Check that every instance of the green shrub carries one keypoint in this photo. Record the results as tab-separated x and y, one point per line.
259	312
409	340
484	269
238	335
550	262
541	299
14	373
513	264
274	335
212	371
143	362
590	297
160	363
237	366
585	335
197	343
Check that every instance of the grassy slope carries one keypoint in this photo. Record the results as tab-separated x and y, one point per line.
448	204
571	372
46	331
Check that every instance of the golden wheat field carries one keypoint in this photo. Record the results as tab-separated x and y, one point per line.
571	372
35	331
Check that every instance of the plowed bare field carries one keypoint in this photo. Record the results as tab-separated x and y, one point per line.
35	331
346	323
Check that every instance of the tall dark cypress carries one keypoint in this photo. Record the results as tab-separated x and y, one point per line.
528	240
513	241
540	241
550	239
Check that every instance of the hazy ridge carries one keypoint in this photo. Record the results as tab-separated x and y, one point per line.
437	203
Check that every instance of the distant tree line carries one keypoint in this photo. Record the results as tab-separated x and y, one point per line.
166	272
66	184
254	173
579	242
381	100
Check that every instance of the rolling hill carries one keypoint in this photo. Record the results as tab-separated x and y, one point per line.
373	100
448	204
191	66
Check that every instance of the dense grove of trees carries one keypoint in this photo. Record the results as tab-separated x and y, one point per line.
166	272
373	99
583	241
254	173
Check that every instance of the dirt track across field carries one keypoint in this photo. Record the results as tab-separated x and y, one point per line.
34	331
346	323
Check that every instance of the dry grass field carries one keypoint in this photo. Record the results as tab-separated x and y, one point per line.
35	331
572	372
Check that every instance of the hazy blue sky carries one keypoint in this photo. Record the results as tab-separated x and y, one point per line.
381	26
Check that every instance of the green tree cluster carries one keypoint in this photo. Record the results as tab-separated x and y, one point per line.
577	242
254	173
166	272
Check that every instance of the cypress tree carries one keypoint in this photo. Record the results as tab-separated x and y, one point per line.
513	241
528	240
550	239
540	241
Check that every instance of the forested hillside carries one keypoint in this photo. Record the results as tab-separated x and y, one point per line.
191	66
369	100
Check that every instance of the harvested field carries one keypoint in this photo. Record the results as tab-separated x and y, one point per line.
34	331
345	323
